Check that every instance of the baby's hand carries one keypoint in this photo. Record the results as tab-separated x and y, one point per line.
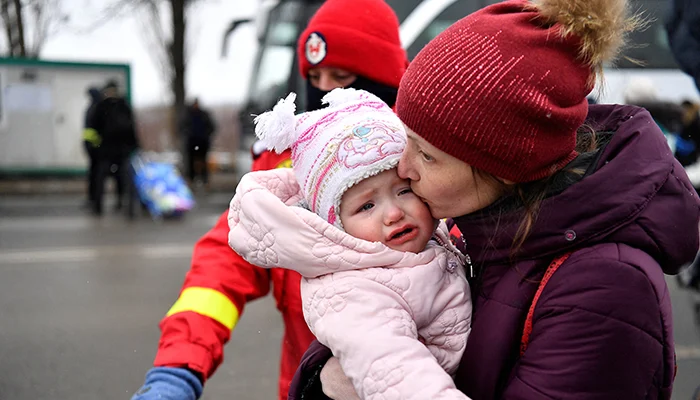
335	383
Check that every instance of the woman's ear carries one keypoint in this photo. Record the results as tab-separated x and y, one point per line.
505	182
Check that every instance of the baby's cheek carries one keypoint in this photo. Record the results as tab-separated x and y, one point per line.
370	235
360	228
423	214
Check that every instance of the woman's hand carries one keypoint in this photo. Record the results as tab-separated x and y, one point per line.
335	384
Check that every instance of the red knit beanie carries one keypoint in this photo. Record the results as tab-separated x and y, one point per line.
504	89
360	36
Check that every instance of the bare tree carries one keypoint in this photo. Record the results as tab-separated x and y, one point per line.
163	25
13	20
156	36
46	18
29	23
177	52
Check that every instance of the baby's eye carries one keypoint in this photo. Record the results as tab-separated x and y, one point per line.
366	207
426	157
405	191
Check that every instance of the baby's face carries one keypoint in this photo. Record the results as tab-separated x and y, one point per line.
384	209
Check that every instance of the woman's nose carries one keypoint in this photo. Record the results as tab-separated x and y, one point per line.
326	82
404	169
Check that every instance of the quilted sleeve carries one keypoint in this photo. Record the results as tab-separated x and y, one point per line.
216	289
370	329
447	333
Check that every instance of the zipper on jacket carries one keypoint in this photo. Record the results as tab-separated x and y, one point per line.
467	259
469	264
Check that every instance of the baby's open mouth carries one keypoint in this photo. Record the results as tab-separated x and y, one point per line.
402	233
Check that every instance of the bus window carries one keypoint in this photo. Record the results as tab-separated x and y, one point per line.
403	8
278	52
648	47
447	17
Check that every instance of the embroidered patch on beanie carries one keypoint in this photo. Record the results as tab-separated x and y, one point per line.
316	48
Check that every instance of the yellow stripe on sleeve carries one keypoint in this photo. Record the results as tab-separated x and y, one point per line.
285	164
207	302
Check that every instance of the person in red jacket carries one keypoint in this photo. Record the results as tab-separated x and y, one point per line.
347	43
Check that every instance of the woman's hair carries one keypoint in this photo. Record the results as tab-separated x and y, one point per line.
528	196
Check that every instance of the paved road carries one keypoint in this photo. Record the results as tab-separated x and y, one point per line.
80	301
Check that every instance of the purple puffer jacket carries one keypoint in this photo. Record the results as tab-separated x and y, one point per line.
602	328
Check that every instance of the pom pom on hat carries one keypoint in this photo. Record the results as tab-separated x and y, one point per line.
600	25
276	128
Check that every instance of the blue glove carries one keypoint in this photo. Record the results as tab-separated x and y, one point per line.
166	383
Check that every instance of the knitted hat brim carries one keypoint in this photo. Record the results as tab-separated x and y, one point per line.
356	52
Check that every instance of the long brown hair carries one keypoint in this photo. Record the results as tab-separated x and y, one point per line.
530	195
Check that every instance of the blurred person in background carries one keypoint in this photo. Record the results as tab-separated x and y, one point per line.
690	137
683	28
197	127
113	120
347	43
91	141
641	91
689	133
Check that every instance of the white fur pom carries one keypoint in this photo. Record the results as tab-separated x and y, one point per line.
340	95
276	128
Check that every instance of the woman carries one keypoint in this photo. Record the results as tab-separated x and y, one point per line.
501	137
347	43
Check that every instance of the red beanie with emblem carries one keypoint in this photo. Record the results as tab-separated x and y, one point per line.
360	36
504	89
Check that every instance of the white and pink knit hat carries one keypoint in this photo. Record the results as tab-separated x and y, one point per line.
355	137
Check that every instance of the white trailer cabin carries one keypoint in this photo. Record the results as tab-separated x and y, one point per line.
42	113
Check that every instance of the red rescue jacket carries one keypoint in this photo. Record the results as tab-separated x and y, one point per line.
216	289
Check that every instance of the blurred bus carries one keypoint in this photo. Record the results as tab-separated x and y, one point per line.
647	55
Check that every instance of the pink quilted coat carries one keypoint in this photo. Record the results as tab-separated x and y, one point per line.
397	321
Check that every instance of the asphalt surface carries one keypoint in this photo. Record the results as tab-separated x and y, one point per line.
80	301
